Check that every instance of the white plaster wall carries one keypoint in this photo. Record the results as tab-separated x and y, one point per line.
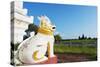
21	22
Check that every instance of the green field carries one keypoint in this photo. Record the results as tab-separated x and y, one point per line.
75	49
84	41
90	51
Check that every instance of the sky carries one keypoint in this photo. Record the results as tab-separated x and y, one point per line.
71	21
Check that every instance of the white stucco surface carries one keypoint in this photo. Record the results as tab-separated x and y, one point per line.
20	21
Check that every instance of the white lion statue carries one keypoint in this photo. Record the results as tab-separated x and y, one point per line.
33	49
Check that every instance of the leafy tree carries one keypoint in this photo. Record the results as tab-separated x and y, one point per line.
83	36
89	38
32	27
79	37
57	37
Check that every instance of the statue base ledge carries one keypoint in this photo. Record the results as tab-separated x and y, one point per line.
51	60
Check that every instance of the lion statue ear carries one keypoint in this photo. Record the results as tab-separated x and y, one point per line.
41	21
47	19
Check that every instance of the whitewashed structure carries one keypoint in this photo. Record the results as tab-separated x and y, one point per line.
19	21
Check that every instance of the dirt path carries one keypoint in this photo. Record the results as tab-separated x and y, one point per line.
62	58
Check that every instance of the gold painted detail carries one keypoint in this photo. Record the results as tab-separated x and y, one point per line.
35	56
45	31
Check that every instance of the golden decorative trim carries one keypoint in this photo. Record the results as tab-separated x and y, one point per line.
35	56
45	31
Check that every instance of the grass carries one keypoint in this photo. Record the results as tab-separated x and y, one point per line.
87	50
75	49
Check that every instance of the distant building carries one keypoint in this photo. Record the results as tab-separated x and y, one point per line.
19	21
